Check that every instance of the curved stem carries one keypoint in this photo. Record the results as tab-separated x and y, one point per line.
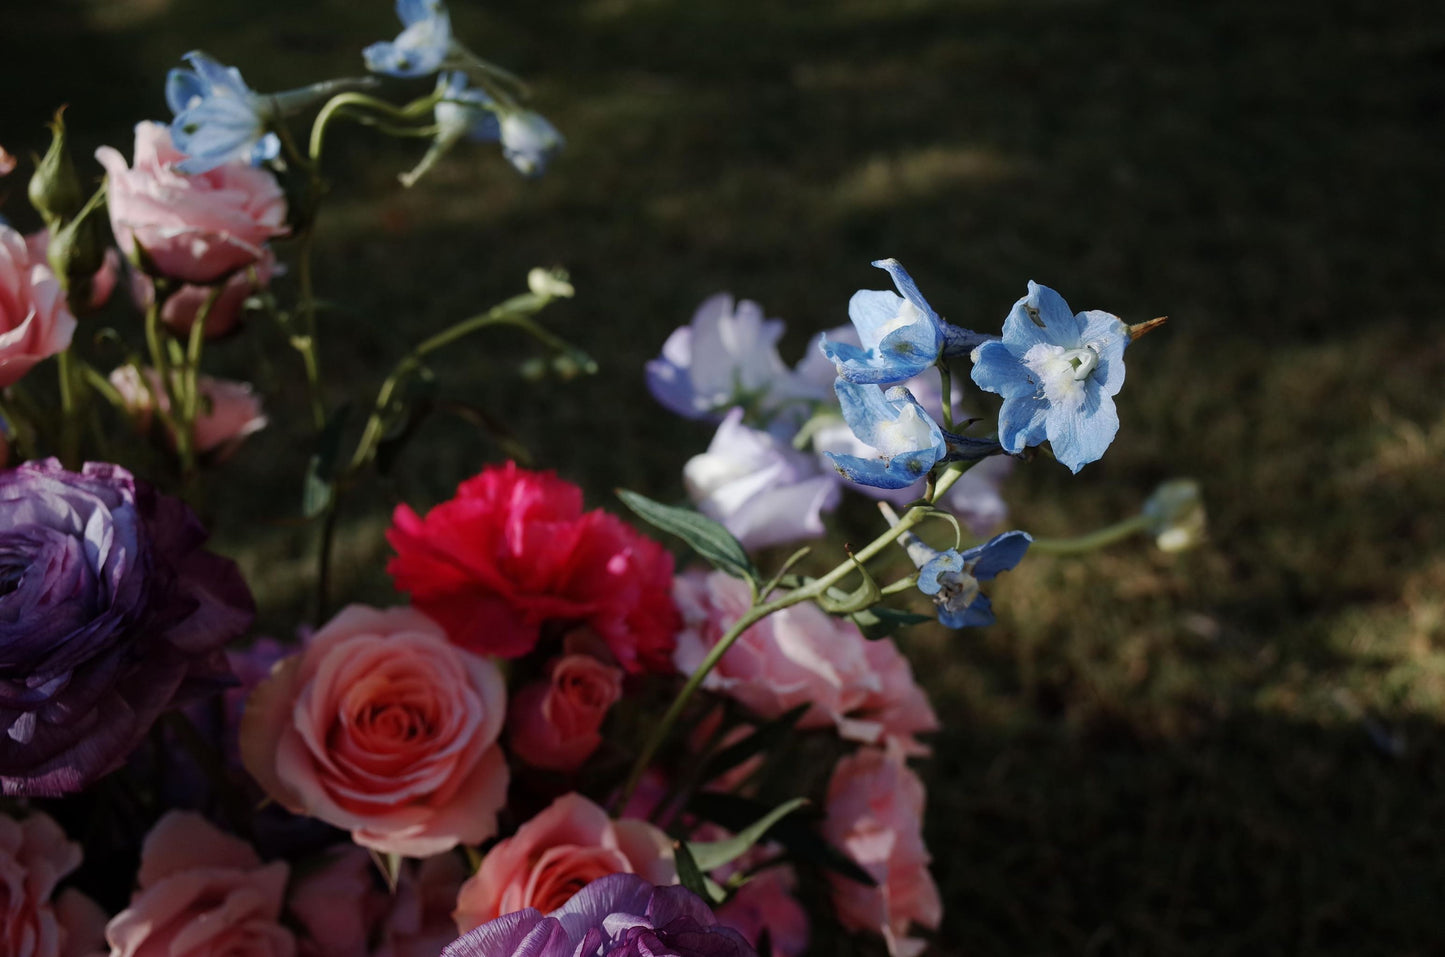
1107	535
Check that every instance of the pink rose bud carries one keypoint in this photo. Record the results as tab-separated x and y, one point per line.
202	892
554	724
182	306
228	411
35	322
195	228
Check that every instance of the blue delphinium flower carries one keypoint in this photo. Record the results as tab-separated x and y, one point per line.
1058	373
951	578
218	117
529	141
907	440
465	111
421	48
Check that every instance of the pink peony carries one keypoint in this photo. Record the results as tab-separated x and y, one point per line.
34	857
801	655
228	411
382	727
181	307
766	902
513	551
345	912
102	284
555	855
875	814
555	724
196	228
202	893
34	320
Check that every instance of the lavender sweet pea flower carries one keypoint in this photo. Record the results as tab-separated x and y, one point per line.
951	578
110	612
760	489
421	48
218	117
620	915
1058	373
726	356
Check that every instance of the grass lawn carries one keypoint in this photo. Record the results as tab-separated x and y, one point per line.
1237	750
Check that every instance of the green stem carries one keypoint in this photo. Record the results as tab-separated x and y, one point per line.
189	388
324	554
306	342
70	421
1093	540
360	101
945	378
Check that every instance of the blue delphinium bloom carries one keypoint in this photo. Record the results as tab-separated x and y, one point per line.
951	578
907	440
900	335
465	111
421	48
529	141
218	117
1058	373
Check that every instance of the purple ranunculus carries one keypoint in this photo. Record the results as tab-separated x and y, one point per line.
110	612
620	915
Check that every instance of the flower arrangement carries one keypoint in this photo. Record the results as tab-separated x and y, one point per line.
568	739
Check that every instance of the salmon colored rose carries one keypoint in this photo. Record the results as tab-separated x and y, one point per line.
555	724
35	323
555	855
382	727
875	814
197	227
202	893
34	921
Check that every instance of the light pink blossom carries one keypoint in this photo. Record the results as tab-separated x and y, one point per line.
35	322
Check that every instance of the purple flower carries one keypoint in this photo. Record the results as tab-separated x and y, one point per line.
620	915
762	490
110	612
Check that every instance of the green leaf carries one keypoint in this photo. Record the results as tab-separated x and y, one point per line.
796	833
838	602
319	486
706	537
689	875
880	621
714	854
759	741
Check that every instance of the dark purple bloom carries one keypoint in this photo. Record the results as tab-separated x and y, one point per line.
110	612
620	915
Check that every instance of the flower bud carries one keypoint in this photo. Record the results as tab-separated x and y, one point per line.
55	188
1176	515
77	254
551	283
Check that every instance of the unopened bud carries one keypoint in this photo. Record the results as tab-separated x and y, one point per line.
55	188
1176	515
76	253
551	283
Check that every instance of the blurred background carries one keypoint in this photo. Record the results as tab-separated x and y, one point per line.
1235	750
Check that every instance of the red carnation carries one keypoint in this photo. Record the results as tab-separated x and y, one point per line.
514	551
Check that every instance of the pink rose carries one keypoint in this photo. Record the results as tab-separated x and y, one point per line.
382	727
228	411
102	284
181	307
555	855
875	814
346	913
766	902
34	856
794	656
201	892
554	724
34	320
192	227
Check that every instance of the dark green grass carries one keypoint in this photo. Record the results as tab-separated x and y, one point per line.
1147	755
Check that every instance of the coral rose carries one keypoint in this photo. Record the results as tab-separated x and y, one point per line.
34	856
875	814
554	724
196	228
201	892
35	322
382	727
555	855
513	551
